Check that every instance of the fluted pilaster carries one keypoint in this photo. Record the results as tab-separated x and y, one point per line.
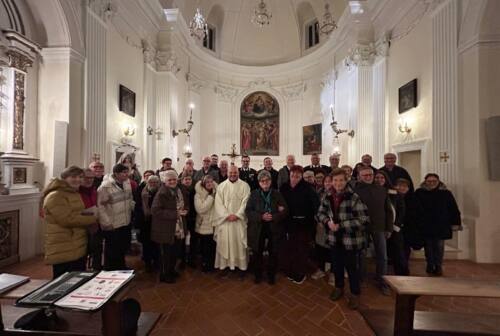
444	95
95	140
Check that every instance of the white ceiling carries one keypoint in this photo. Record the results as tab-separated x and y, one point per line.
240	42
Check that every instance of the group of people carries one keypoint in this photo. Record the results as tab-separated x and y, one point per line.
296	220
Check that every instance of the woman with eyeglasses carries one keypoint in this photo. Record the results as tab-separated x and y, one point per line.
439	217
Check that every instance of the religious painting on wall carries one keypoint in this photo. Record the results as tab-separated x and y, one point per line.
127	101
260	124
408	96
311	139
9	237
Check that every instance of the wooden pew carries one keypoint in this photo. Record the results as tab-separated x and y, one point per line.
405	321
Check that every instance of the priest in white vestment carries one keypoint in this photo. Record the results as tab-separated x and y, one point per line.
231	222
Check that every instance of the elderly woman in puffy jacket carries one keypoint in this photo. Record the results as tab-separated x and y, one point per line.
204	205
66	223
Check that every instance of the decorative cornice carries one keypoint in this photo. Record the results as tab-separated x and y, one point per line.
59	54
328	79
19	61
104	9
160	60
195	83
259	82
226	93
294	91
149	52
382	46
360	55
167	61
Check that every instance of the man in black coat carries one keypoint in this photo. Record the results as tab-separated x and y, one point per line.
381	223
247	174
366	160
303	204
394	171
315	165
268	165
266	209
284	172
438	217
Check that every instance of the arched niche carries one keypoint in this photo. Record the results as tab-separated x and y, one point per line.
305	13
215	19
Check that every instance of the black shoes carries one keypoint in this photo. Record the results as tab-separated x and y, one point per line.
434	270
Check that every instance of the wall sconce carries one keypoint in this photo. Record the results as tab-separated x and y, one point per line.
154	131
189	124
129	130
404	128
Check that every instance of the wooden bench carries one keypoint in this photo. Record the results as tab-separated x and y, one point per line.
75	323
405	321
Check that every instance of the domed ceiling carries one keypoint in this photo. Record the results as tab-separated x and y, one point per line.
239	41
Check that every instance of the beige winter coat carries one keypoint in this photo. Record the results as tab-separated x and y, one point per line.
204	205
115	204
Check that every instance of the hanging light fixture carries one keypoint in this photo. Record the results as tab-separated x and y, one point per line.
198	25
188	148
261	16
328	25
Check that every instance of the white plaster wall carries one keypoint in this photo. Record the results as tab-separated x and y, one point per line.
478	89
125	67
53	104
409	58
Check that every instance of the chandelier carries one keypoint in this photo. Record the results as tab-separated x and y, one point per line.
328	25
198	25
261	16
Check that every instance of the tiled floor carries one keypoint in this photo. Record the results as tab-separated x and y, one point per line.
202	304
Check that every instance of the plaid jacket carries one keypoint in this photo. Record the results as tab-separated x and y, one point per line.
353	216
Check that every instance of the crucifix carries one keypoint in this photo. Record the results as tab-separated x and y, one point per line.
96	157
233	155
443	157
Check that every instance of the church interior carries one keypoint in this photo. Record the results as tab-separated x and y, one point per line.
85	81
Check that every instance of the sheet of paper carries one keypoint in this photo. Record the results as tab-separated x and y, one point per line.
94	293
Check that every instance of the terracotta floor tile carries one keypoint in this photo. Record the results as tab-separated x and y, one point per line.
205	304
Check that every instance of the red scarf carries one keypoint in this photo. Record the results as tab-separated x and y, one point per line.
89	196
335	201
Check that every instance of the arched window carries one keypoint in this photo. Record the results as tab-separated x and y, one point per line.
209	40
311	33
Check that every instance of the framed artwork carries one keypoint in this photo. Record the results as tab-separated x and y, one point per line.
260	124
127	101
9	237
408	96
311	139
20	175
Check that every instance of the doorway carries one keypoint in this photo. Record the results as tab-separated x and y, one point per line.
411	161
